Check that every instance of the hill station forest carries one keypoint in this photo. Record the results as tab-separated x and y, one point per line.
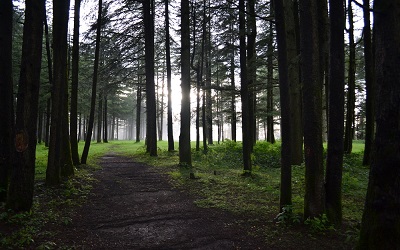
308	89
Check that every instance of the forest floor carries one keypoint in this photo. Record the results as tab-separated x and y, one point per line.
135	206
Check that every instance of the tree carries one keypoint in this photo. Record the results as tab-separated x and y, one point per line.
312	108
58	127
349	130
185	157
171	145
94	87
6	95
380	225
244	91
334	163
293	68
151	127
74	85
20	194
370	88
286	168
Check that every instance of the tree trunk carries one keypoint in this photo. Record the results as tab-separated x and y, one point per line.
312	109
60	29
94	86
138	108
6	95
50	70
270	86
99	116
251	66
370	88
151	116
283	66
296	130
246	130
20	193
380	225
334	162
348	136
171	146
105	120
74	86
185	157
233	91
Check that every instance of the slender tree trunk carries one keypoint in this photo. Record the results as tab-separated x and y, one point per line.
380	225
6	96
185	157
94	86
286	168
270	86
232	80
151	127
59	108
50	70
74	86
370	88
105	120
246	130
334	163
99	116
138	109
348	136
21	185
252	68
312	105
296	135
171	146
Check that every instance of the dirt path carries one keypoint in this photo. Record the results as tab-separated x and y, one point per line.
133	206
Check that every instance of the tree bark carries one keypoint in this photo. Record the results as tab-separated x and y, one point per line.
58	102
293	69
74	86
50	70
286	168
171	144
94	86
6	95
380	225
151	116
270	86
312	109
370	88
334	163
20	193
185	157
244	91
138	109
349	130
251	66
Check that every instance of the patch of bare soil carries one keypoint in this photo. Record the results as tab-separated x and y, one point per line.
133	206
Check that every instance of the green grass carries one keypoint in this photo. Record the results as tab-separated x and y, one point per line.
219	183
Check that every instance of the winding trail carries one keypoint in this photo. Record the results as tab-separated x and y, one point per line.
133	206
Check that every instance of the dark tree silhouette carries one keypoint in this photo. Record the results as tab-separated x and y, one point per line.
380	225
185	156
6	95
334	163
20	195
